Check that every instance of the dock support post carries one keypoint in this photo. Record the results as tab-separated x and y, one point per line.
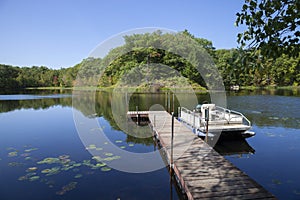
206	119
172	139
173	100
169	101
126	102
166	100
137	115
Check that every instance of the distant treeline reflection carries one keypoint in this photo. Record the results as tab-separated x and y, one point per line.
37	104
103	106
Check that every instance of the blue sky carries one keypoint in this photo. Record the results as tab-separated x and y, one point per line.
60	33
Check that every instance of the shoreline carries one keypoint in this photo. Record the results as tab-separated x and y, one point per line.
161	89
141	90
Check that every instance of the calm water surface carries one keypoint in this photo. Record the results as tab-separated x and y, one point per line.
276	121
42	156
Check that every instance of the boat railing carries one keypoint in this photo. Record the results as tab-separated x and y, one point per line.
232	116
219	114
190	117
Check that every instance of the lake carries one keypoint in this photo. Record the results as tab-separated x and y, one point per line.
42	156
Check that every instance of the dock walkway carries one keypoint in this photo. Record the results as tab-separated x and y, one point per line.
201	172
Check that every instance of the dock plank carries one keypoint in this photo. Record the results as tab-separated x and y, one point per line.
200	170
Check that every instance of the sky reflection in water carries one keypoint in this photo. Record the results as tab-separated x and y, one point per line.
36	127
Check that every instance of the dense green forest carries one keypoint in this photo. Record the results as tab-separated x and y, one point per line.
235	66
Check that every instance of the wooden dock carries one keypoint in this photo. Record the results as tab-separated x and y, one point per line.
200	171
139	113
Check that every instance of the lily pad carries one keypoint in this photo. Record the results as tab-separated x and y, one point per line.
77	164
100	164
78	176
91	146
34	178
49	160
45	171
108	154
97	158
31	169
105	169
66	162
15	164
31	149
122	147
25	155
29	176
28	158
131	144
67	167
99	149
22	178
66	188
87	163
63	157
51	171
118	141
111	158
11	149
13	154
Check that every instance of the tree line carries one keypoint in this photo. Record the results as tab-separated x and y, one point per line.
235	66
15	78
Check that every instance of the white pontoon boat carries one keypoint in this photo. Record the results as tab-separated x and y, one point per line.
215	119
